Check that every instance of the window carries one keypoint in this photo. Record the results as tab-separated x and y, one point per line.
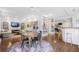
5	26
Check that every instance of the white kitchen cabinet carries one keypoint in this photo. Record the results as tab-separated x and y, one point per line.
71	35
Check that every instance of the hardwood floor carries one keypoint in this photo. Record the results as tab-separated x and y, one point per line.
57	44
8	42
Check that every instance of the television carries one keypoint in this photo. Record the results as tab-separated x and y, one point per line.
15	24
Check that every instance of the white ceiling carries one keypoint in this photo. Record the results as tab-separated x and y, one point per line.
58	12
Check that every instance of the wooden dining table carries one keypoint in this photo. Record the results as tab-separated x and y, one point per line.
30	35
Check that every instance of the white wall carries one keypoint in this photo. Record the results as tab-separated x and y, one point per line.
75	21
